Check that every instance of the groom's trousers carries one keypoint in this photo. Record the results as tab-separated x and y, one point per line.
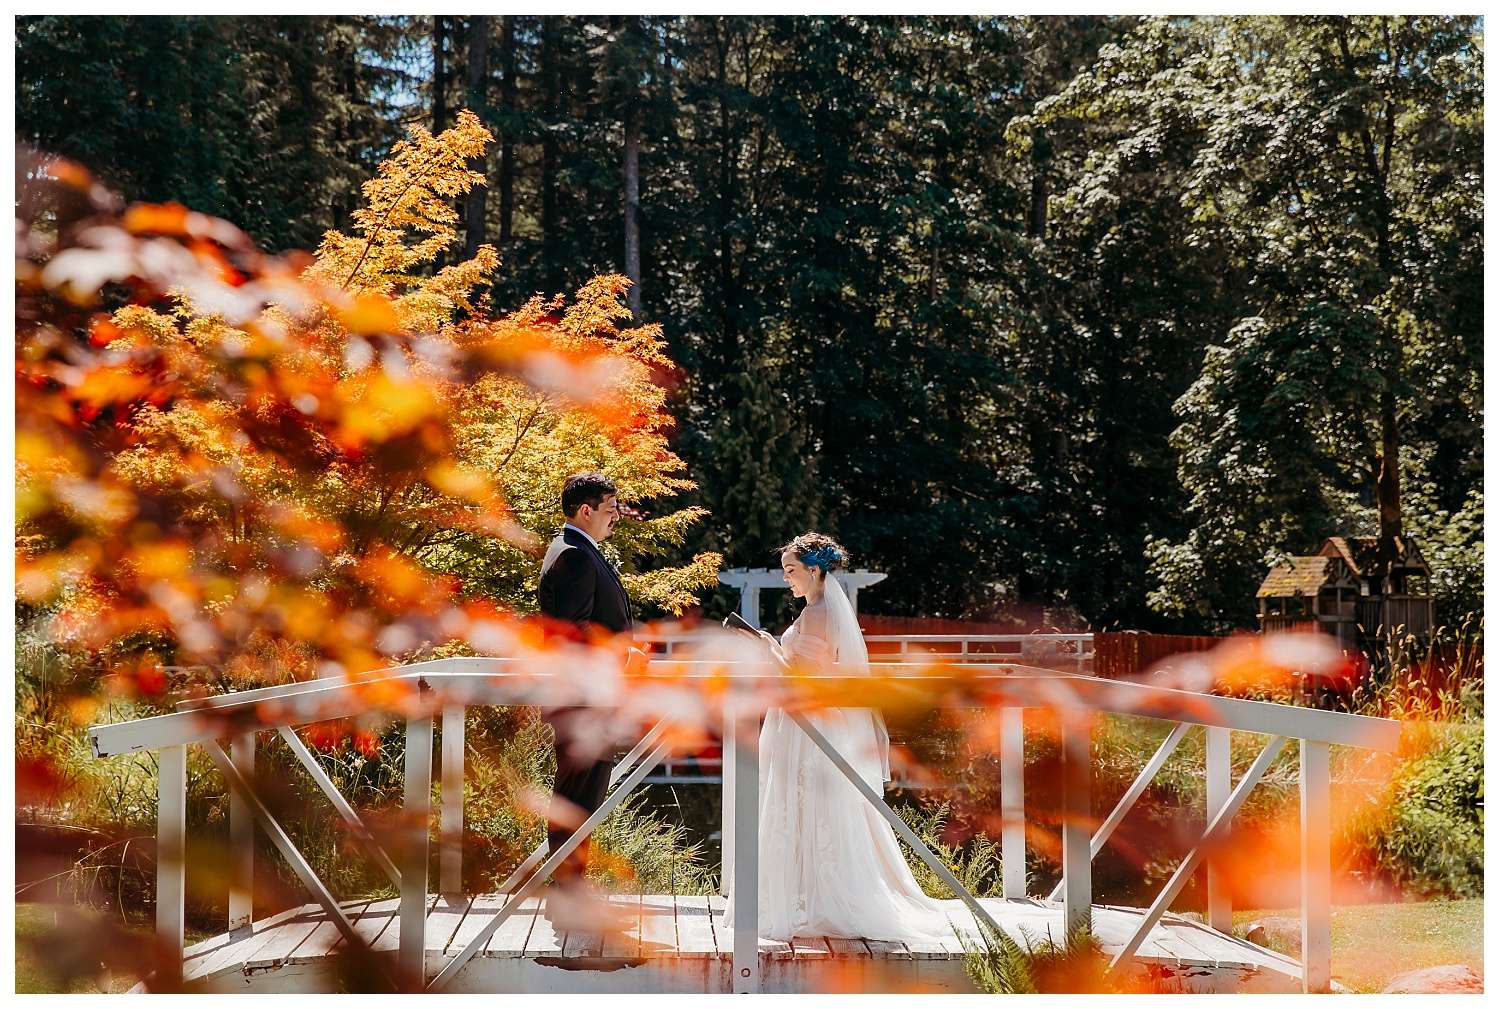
580	785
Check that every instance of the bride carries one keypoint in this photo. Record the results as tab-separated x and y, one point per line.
830	864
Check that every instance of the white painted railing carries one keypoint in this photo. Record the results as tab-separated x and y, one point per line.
451	685
1062	652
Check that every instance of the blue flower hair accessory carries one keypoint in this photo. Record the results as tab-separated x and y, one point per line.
825	558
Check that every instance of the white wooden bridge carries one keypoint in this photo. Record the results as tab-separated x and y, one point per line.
440	939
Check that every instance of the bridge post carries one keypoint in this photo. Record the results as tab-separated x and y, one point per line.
171	864
1220	912
746	886
241	837
412	941
1316	866
450	857
1077	822
726	801
1012	801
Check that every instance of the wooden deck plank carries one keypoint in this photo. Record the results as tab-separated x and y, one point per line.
809	948
1219	949
926	949
203	948
640	922
576	940
509	940
773	949
319	945
285	939
445	917
883	949
221	954
696	937
723	933
691	927
327	939
542	940
852	949
381	926
236	955
591	942
481	909
676	925
531	912
623	944
213	959
1179	942
716	905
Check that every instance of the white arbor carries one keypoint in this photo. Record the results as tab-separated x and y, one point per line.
749	582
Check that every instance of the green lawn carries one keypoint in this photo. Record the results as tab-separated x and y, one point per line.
1371	943
36	922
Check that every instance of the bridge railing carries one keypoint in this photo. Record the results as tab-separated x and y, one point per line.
1062	652
439	692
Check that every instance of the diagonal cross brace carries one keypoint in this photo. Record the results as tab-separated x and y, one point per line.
901	828
283	843
361	831
1131	796
1216	829
620	770
453	966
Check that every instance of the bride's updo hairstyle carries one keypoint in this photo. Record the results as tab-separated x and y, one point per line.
818	551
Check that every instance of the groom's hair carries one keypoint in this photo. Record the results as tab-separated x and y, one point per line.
585	489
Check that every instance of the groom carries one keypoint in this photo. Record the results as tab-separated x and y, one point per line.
578	586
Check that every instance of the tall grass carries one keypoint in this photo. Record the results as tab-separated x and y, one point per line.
1437	679
1000	965
975	862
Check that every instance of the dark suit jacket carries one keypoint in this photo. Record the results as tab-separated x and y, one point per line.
579	586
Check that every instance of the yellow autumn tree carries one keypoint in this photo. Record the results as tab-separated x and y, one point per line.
483	511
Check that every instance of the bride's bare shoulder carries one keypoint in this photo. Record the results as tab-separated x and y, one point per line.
813	619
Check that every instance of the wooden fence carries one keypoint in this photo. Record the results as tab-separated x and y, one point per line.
1117	654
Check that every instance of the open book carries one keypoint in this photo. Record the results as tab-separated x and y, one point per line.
735	622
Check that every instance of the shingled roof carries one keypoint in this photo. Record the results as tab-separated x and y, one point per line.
1361	552
1299	576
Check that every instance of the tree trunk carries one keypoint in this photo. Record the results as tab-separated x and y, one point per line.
348	84
549	153
1387	485
1040	158
729	296
632	204
1387	490
439	75
507	147
478	101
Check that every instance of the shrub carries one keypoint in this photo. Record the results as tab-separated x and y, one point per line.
1426	834
976	862
1000	965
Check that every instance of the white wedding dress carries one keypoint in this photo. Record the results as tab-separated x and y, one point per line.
830	864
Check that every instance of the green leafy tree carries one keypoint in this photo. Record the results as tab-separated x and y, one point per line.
1313	179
